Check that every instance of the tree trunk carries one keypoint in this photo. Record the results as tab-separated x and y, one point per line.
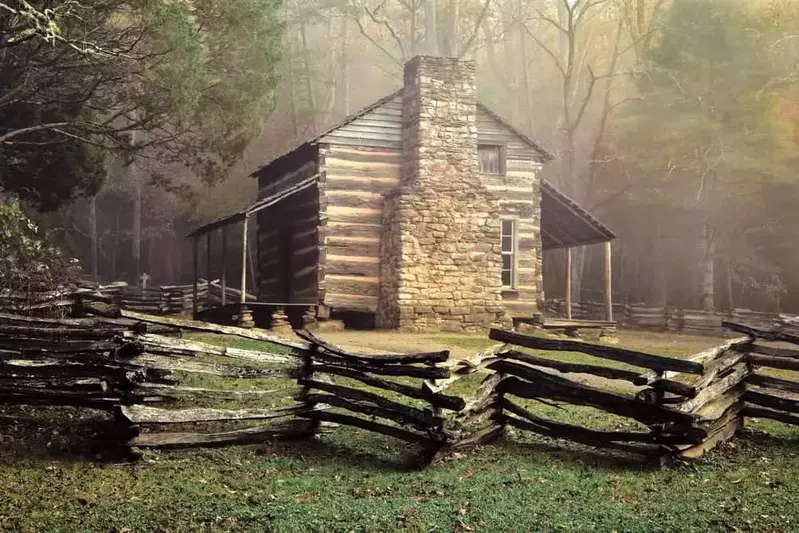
93	234
661	284
431	27
306	61
708	270
728	284
345	67
295	119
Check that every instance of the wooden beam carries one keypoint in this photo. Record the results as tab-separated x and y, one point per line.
195	278
608	283
208	265
224	265
244	262
568	289
623	355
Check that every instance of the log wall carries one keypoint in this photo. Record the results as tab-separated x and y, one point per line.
353	182
360	162
288	249
520	199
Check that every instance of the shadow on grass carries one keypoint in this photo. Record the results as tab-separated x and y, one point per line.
570	453
45	434
357	450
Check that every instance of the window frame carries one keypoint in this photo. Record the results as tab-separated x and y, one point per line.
502	154
513	253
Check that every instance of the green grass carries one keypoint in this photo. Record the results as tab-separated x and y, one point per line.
351	480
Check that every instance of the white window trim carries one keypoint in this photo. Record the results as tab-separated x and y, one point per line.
514	253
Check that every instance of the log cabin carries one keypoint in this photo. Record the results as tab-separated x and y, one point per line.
425	211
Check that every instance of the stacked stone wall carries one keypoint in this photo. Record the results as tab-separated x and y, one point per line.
440	248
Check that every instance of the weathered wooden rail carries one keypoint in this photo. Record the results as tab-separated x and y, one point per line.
671	319
167	391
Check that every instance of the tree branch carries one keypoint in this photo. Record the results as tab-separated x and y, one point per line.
477	25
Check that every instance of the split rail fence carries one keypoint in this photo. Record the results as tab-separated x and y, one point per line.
642	317
167	391
109	299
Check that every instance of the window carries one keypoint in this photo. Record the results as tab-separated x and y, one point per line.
492	158
508	253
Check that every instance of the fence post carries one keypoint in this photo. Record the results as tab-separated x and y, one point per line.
306	373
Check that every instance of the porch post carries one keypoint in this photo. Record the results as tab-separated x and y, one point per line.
608	284
208	266
196	267
224	265
568	296
244	262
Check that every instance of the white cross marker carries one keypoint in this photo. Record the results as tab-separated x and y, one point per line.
144	277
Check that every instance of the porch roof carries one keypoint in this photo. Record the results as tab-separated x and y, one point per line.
565	224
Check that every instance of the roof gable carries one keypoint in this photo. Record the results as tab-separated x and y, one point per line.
380	124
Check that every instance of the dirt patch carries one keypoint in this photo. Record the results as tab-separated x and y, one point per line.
459	345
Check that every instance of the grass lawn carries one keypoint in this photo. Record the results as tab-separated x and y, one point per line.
351	480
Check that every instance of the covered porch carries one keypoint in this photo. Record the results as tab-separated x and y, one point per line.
565	226
239	302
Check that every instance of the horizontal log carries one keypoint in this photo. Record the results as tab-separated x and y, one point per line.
760	412
674	387
775	400
483	436
785	363
641	449
631	357
50	369
139	414
196	325
159	343
771	350
11	319
33	345
197	393
286	430
351	302
59	398
761	333
426	357
159	362
715	409
716	389
599	437
717	368
437	399
342	267
735	345
58	333
576	368
383	370
391	431
773	383
408	413
721	435
557	388
372	410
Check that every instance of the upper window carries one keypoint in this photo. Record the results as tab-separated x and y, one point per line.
508	253
492	158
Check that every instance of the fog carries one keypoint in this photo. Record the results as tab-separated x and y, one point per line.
675	122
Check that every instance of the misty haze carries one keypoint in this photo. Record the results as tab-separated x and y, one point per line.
399	265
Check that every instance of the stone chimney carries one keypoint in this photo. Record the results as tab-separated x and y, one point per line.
440	251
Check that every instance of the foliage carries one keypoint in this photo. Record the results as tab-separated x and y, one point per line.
188	82
706	94
28	263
